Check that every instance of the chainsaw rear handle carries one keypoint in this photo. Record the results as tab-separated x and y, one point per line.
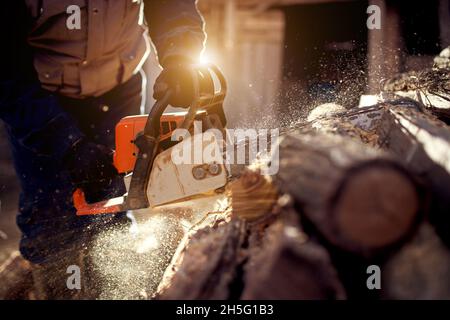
147	143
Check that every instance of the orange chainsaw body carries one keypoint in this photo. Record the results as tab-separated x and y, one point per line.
127	130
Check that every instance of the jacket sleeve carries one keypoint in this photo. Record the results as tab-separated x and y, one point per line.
32	115
176	28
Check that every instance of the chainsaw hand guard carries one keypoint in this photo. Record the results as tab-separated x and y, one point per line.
83	208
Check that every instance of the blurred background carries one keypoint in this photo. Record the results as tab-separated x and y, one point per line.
284	57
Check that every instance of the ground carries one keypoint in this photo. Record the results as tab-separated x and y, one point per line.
9	194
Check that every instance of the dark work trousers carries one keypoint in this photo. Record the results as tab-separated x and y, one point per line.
47	218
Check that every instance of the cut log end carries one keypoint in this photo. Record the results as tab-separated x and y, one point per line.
252	195
377	206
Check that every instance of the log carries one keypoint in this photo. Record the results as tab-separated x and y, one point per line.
358	199
430	88
262	251
357	206
205	265
442	61
16	278
252	196
423	142
325	110
358	124
284	263
267	259
420	270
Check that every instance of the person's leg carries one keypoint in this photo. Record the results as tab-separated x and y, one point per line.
53	237
99	123
123	101
98	118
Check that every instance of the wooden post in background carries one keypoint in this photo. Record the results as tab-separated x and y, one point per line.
375	50
444	21
384	46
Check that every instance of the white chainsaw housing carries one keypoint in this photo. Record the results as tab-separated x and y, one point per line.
171	182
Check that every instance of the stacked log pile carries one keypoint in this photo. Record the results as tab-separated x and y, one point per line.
356	188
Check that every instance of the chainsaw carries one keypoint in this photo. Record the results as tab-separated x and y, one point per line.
144	147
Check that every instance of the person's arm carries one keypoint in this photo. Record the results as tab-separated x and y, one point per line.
176	28
32	114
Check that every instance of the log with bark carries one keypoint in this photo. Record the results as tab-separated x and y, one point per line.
266	259
207	264
359	199
423	142
16	281
285	263
419	270
430	87
358	123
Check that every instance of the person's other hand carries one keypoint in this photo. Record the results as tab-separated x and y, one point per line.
91	168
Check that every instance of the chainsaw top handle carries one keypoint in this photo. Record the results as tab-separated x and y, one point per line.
205	94
205	97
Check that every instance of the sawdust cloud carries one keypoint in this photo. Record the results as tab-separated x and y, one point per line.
294	101
129	263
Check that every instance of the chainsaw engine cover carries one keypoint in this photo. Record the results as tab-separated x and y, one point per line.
128	129
170	181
